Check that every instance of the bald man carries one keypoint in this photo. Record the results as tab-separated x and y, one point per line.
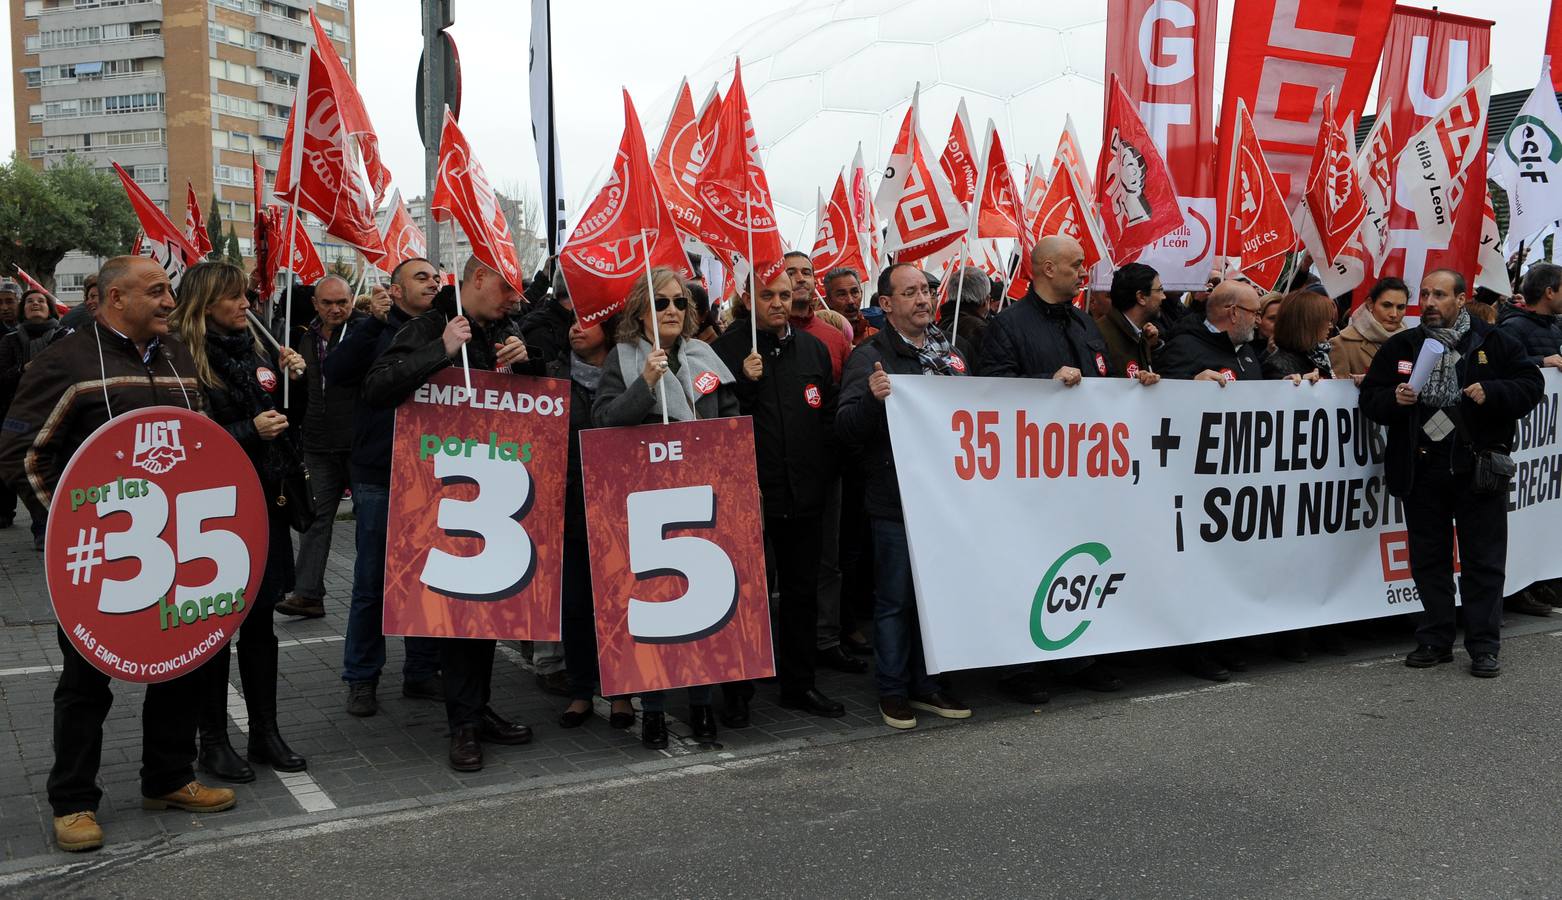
1218	349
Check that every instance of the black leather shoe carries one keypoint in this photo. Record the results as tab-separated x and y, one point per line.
1427	656
1096	677
430	688
573	719
496	730
1485	665
1204	665
266	747
466	754
734	712
813	703
218	758
856	645
1525	602
361	699
621	720
1024	687
841	661
653	731
702	719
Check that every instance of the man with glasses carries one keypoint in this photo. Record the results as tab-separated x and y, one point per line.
1218	349
909	344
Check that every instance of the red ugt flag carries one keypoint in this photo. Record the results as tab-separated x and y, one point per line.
1334	195
165	243
1258	227
959	159
355	116
194	226
306	265
997	212
1135	192
626	222
734	191
402	238
837	244
461	191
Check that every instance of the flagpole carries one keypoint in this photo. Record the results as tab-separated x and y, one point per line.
287	312
1231	180
656	324
466	367
753	273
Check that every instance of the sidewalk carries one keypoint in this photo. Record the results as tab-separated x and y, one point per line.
397	759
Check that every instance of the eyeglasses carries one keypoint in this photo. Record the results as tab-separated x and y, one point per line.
913	293
1248	309
682	303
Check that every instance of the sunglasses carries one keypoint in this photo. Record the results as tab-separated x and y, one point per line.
682	303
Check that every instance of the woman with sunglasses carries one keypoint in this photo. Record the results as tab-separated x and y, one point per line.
655	348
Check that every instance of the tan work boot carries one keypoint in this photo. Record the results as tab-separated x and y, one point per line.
193	797
78	831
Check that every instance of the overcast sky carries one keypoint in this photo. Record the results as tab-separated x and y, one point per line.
600	45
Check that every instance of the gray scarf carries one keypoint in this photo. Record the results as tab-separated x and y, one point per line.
695	358
1442	388
584	374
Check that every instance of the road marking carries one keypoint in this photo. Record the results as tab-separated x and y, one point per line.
328	639
305	790
1178	695
29	670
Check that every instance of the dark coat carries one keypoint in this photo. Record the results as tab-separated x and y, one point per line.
1539	335
972	331
1127	354
329	405
418	351
1285	363
625	401
1489	356
346	366
1033	339
17	349
580	401
1194	348
235	404
546	330
793	405
861	423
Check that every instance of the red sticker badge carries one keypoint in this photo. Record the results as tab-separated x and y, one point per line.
707	382
1133	368
1100	364
956	363
267	379
811	394
1406	367
1229	375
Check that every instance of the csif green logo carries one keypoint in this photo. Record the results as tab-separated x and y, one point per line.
1523	142
1061	592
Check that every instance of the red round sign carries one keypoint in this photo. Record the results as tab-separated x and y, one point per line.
157	541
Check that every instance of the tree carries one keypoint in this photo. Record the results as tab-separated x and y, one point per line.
234	256
525	214
214	231
342	269
68	206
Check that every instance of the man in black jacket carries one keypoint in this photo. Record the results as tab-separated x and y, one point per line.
1217	348
1479	388
787	387
1128	323
421	348
1534	325
909	344
413	286
327	435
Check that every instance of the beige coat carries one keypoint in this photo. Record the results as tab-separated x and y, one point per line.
1350	352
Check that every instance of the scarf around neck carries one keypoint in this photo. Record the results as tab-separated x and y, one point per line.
1442	388
1368	326
693	360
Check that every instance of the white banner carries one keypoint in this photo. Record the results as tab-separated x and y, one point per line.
1049	522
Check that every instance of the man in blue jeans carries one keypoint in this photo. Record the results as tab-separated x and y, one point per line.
413	286
909	344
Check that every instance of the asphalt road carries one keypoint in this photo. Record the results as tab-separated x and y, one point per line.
1342	779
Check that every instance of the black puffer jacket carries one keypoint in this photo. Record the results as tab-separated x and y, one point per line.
347	365
418	351
329	405
251	385
1194	348
1488	355
861	423
1539	335
793	405
17	349
1285	363
1034	338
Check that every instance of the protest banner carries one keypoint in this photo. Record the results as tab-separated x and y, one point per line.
156	543
677	557
474	545
1116	517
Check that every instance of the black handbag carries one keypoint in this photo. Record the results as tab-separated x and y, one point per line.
293	495
1494	467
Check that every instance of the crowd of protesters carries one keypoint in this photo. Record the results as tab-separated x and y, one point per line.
837	557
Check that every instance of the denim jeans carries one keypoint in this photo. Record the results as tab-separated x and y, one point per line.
897	638
363	655
327	478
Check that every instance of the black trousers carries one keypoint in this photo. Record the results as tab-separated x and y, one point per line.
7	502
794	548
81	704
579	621
1439	501
257	643
856	559
468	665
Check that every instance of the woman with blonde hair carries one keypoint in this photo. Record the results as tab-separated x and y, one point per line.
656	363
240	379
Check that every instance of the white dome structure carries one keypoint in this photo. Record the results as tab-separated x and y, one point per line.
825	74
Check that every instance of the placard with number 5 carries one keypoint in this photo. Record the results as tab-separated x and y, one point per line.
475	538
677	555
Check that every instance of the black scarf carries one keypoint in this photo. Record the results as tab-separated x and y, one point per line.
233	359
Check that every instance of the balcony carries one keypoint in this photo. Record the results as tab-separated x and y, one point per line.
273	128
280	94
139	47
284	27
79	88
280	60
87	13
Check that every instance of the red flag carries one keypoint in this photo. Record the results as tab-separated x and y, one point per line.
1258	229
924	214
263	278
316	169
865	217
1135	191
1334	195
194	226
997	212
1035	192
306	264
31	282
462	192
626	222
679	159
837	243
959	160
165	243
734	191
1554	44
401	237
355	116
1070	154
1066	211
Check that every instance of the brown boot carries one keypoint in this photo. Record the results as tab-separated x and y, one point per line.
193	797
302	607
78	831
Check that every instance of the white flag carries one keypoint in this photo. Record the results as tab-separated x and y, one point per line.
1375	173
1491	267
1435	157
1528	163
